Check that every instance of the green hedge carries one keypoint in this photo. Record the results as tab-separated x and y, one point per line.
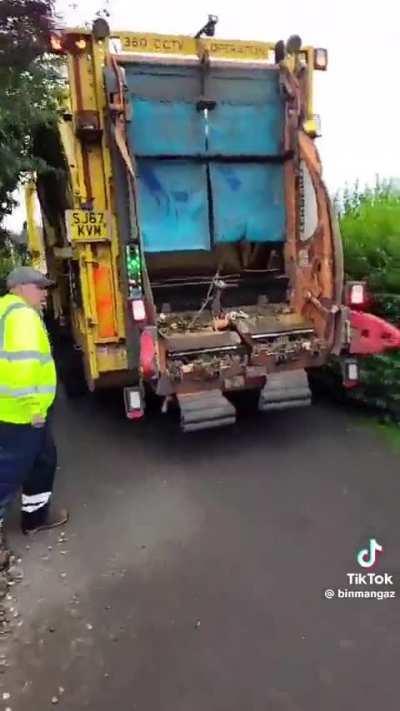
370	225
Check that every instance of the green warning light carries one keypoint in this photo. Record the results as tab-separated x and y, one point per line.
134	270
133	263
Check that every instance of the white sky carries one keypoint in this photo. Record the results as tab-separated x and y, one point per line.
358	98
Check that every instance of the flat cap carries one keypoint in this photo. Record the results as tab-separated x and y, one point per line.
28	275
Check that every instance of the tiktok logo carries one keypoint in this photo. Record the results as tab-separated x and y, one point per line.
366	557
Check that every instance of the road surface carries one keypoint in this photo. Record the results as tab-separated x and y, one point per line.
192	574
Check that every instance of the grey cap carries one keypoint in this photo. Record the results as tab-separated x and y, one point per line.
28	275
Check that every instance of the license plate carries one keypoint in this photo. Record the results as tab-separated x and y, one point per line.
87	225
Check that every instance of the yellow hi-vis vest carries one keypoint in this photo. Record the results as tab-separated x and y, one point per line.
27	371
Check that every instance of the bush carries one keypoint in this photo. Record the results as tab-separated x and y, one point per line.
370	225
6	264
371	237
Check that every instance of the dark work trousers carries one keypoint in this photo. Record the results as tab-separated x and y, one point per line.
28	461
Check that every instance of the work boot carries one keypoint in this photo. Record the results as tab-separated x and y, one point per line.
4	550
54	519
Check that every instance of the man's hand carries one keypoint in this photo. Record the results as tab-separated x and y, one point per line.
38	421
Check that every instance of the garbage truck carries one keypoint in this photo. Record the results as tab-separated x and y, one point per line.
188	227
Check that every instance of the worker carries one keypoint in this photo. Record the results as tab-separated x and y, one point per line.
28	455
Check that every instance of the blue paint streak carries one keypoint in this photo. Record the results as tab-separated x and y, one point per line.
150	179
231	178
173	205
154	186
181	196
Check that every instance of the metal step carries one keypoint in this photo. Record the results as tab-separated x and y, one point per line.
285	390
204	410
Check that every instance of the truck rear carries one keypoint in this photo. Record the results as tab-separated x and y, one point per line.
191	233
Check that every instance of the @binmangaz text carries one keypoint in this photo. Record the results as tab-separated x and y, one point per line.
366	586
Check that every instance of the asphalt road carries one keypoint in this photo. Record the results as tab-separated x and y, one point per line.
192	572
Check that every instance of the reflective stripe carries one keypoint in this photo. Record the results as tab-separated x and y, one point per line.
33	508
25	355
34	503
12	307
36	498
20	392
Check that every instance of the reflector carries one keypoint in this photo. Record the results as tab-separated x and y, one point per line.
351	373
138	310
134	404
357	295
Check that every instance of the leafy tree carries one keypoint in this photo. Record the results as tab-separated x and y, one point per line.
29	87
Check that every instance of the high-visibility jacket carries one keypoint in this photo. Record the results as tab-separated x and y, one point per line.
27	370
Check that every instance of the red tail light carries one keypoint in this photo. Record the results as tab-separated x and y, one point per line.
62	43
148	359
56	44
